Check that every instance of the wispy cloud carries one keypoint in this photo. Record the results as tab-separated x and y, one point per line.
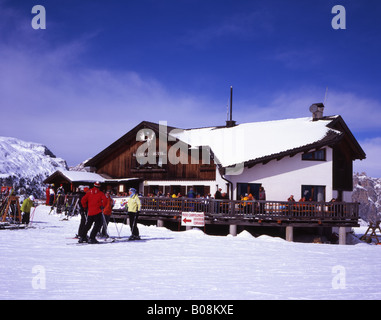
371	165
78	110
50	96
360	113
302	58
243	26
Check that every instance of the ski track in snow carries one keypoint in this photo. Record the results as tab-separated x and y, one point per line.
178	265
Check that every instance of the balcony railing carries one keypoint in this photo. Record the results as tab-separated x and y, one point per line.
258	210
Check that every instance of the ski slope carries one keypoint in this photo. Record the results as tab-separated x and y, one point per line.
44	262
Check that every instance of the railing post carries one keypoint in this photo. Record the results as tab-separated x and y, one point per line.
342	235
233	230
290	233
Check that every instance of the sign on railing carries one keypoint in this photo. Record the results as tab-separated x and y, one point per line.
193	219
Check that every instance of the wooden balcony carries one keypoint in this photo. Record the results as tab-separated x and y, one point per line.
258	213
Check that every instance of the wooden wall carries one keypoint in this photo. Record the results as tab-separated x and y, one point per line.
122	164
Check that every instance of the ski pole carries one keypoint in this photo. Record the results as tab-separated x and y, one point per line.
119	231
31	218
105	225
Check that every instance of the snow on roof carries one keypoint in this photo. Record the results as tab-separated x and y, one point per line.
80	176
250	141
90	177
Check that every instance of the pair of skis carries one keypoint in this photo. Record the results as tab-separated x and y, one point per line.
55	204
114	240
106	241
5	202
70	210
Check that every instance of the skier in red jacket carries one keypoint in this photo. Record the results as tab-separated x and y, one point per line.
94	200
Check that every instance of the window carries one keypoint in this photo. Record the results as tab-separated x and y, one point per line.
146	165
318	155
313	193
243	188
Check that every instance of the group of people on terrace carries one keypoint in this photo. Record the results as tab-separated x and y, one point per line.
191	194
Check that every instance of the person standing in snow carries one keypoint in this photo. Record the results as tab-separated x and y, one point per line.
107	213
95	200
80	194
60	198
134	205
25	209
52	195
47	192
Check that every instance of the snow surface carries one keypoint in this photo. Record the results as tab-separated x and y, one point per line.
249	141
179	265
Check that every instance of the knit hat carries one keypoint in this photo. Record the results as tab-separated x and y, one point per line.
97	184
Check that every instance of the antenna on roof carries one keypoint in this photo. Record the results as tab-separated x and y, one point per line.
227	110
231	103
326	95
231	123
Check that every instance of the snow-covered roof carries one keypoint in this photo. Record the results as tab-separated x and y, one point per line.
251	143
86	177
80	176
256	140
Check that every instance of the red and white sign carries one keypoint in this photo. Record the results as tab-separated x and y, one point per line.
193	219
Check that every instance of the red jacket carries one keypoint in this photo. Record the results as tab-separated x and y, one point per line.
108	207
94	200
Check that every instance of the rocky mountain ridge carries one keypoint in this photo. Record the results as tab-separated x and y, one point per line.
25	165
367	191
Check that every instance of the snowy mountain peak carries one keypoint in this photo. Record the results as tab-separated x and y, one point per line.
26	164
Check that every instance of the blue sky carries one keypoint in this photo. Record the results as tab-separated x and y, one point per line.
101	67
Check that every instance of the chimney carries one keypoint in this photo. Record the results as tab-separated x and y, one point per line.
231	123
317	111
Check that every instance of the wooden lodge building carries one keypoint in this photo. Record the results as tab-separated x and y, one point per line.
305	157
310	158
